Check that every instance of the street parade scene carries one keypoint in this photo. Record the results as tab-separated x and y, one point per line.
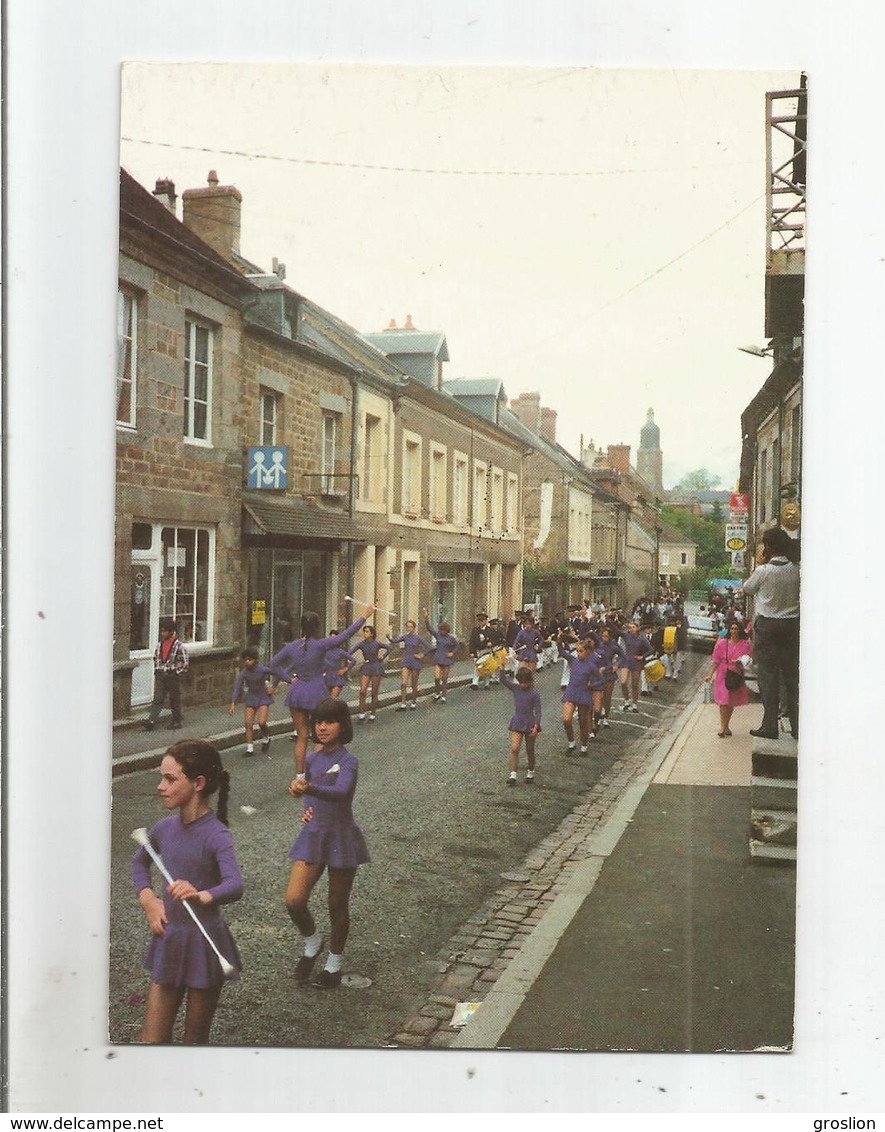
444	717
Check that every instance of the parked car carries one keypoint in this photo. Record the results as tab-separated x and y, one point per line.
703	633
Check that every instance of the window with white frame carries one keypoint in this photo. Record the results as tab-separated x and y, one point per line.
187	580
459	492
438	484
328	452
267	425
412	477
497	499
372	485
665	557
197	381
512	502
127	356
683	558
480	496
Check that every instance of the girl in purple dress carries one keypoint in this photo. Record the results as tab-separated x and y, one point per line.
577	696
329	839
729	654
371	670
415	647
253	677
526	721
302	662
196	847
445	647
612	659
337	664
528	643
637	649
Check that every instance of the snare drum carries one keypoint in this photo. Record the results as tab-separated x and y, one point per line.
654	671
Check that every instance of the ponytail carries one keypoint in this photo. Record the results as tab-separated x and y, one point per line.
197	757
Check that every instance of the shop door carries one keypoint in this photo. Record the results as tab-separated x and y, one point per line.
143	628
285	604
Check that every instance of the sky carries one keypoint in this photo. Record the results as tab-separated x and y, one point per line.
593	234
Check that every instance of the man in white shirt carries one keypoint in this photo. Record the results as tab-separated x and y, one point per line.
774	586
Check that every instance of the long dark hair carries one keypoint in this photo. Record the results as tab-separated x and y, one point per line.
310	624
197	757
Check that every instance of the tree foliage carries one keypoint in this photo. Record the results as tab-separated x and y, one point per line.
709	535
701	479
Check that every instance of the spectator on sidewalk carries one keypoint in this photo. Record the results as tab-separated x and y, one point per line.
729	656
170	664
774	585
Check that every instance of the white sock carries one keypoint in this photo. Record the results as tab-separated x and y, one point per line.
312	944
333	962
249	747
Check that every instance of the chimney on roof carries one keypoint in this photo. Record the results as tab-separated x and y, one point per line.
548	424
213	214
392	325
408	323
527	407
619	458
279	269
164	191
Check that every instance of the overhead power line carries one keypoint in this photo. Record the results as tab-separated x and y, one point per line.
365	167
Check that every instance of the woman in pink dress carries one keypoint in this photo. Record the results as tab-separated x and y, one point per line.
727	657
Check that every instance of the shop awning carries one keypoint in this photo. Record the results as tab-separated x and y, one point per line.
266	517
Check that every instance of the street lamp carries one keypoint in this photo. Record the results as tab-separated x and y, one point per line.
758	351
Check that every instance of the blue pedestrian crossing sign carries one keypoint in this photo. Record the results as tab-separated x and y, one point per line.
268	468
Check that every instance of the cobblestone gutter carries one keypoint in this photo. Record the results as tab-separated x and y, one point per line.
479	953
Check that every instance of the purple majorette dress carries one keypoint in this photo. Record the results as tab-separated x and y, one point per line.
254	681
202	852
583	674
372	659
527	645
603	658
445	647
334	660
332	837
303	660
637	649
526	705
415	648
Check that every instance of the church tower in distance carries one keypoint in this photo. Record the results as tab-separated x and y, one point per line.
649	458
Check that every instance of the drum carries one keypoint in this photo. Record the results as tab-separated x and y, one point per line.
670	639
489	663
654	671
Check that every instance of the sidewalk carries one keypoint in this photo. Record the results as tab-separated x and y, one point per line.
136	749
666	937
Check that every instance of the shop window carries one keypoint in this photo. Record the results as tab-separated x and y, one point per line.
187	578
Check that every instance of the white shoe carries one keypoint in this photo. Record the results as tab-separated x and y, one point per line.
361	718
442	699
571	746
372	717
265	744
413	706
605	722
400	707
584	749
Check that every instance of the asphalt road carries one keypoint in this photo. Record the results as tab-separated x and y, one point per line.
441	826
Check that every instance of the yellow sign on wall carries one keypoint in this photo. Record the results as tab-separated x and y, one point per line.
259	616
